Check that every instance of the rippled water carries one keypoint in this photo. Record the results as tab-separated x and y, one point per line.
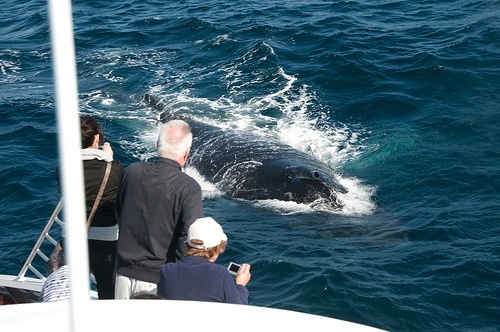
400	98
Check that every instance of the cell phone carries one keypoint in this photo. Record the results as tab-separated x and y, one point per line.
233	268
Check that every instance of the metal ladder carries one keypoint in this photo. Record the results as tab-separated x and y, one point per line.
45	235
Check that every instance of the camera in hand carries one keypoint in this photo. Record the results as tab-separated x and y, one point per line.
233	268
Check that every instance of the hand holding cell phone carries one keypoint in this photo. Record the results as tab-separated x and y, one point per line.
243	276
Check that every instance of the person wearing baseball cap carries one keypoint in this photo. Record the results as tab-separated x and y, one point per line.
196	277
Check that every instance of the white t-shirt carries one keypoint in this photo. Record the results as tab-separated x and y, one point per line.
56	286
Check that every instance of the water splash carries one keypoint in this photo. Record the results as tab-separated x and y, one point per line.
265	101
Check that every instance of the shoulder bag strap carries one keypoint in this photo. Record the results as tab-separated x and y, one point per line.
99	195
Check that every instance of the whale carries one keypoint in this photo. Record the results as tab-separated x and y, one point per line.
247	166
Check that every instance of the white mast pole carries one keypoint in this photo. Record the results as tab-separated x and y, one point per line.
68	124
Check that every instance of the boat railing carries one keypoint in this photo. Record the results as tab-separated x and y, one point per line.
45	235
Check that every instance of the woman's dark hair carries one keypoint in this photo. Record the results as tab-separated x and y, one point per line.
90	127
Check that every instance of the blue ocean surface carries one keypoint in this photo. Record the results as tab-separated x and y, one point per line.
401	98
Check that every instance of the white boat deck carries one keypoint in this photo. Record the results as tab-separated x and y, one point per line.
158	315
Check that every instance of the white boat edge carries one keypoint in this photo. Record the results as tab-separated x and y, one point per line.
137	315
27	283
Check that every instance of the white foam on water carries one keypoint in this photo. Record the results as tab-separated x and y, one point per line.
358	198
290	114
108	101
209	190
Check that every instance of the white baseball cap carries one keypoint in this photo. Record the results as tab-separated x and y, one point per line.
207	230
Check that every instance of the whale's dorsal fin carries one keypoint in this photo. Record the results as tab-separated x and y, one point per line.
153	101
159	105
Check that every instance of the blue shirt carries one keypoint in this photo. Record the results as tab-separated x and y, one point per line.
197	279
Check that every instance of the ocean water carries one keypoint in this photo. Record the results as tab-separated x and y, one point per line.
401	98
